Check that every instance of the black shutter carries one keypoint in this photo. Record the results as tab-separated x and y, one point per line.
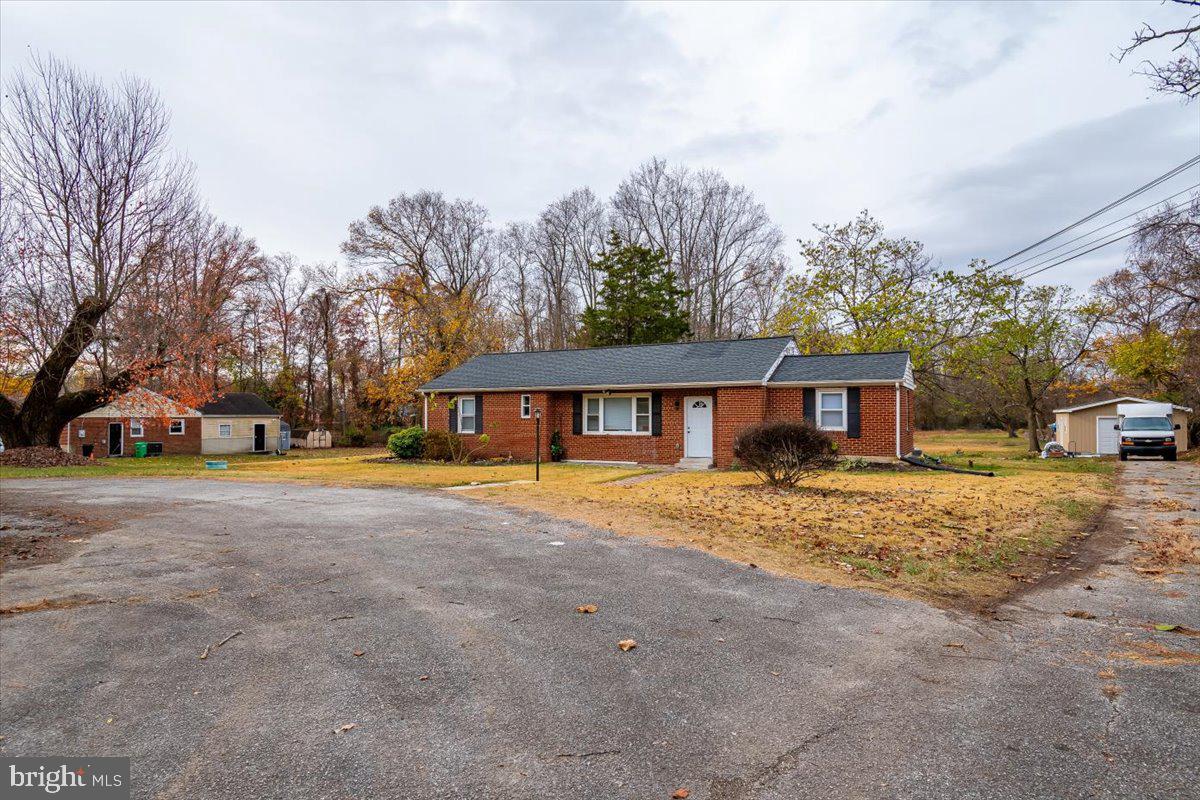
810	406
577	413
479	413
452	406
656	413
853	418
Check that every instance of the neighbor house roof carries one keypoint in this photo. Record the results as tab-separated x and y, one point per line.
727	362
142	402
238	404
845	368
1112	400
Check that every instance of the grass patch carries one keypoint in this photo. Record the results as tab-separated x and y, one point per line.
939	536
333	467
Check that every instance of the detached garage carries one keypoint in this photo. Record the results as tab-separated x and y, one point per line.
1089	428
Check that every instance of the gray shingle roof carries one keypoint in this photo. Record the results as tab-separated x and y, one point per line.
848	368
736	361
238	404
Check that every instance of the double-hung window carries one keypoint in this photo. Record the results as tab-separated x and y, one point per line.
525	406
466	414
136	430
176	428
831	410
225	430
617	414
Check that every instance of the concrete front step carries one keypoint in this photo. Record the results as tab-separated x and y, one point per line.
695	463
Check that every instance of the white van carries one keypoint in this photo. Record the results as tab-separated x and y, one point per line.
1146	430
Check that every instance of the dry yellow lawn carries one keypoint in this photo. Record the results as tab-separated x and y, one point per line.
939	536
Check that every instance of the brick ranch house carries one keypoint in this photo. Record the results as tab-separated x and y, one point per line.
236	422
673	403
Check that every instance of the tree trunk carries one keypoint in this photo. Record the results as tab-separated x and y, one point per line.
1032	422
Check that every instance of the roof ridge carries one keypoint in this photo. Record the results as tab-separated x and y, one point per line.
631	346
864	353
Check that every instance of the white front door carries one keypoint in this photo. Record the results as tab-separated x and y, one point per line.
1108	441
697	427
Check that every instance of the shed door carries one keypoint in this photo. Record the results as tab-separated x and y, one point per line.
260	437
1108	441
115	436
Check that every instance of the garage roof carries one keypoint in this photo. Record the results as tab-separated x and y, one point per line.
238	404
1112	400
844	368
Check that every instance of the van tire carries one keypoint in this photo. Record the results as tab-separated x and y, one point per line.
1169	456
1124	456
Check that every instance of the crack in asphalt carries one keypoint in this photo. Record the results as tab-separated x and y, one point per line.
740	788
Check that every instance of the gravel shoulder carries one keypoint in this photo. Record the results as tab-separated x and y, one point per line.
477	677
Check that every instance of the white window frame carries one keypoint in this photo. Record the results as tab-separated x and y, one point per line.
182	427
140	431
82	433
845	409
526	406
649	415
225	430
458	403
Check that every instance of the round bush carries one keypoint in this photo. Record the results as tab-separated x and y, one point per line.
407	442
784	453
441	446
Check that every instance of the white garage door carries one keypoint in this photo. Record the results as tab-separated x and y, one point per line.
1108	441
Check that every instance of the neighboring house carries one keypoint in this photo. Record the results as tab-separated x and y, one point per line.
1088	428
669	403
238	422
140	415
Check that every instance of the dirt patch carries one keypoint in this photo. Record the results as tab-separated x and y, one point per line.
43	457
1169	545
32	534
53	604
1156	654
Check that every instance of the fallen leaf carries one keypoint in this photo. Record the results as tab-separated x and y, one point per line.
626	645
360	653
1111	690
959	645
1078	614
1164	627
423	678
1106	673
680	794
347	727
589	609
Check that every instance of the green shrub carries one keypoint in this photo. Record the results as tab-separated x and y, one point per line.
355	437
441	446
407	442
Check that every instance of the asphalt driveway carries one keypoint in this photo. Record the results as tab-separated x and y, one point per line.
445	632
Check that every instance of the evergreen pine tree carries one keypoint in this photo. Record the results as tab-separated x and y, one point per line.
638	301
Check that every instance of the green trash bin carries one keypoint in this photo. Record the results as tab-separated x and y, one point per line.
139	449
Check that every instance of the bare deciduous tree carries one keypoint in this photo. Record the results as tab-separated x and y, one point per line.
1180	72
87	170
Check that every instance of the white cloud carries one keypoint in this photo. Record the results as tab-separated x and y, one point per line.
301	116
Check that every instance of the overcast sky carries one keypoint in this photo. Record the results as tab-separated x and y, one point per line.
975	128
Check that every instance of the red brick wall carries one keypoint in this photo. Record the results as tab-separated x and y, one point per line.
877	409
155	430
735	408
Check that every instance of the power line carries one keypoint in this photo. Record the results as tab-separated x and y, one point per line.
1140	190
1014	269
1113	240
1040	260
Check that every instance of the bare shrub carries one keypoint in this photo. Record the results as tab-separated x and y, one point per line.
784	453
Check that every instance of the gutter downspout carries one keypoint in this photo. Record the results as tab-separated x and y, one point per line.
898	453
425	417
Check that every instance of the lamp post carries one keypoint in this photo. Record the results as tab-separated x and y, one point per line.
537	436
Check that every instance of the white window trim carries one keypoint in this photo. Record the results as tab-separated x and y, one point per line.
474	414
601	397
182	427
82	433
845	410
141	429
224	430
526	406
